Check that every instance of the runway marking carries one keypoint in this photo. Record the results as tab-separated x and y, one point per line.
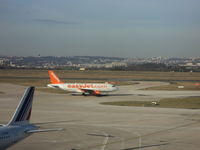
105	141
77	136
132	138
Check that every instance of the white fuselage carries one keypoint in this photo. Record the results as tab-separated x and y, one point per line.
10	135
80	87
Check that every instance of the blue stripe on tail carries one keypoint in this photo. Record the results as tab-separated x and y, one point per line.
23	111
25	106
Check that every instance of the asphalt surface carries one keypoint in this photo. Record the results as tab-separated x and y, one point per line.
88	125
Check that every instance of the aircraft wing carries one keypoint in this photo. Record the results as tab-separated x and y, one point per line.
44	130
55	122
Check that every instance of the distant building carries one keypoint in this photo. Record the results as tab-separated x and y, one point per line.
1	62
119	64
82	69
189	64
198	64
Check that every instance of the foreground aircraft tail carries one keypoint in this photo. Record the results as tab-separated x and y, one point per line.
53	78
23	112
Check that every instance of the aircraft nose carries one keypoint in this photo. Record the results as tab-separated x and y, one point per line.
49	85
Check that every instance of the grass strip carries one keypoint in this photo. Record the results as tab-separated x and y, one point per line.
175	86
186	103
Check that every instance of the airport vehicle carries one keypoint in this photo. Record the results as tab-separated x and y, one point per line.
83	88
19	127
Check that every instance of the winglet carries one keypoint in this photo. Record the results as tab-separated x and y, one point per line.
23	112
53	78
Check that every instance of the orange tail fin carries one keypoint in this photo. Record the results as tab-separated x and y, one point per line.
53	78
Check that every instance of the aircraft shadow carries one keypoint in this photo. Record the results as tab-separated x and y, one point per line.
116	95
102	95
146	146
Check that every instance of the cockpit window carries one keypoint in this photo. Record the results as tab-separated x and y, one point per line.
113	85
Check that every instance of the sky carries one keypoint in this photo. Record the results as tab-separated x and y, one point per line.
114	28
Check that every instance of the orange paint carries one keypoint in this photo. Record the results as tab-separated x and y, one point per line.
96	92
53	78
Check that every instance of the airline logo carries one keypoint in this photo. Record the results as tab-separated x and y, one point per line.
25	111
83	86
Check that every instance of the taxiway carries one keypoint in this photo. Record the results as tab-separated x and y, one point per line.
89	125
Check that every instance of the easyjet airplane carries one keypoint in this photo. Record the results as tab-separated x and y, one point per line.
19	127
83	88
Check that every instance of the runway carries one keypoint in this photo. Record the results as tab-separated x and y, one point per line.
89	125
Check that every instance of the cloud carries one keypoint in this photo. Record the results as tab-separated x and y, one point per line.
55	22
